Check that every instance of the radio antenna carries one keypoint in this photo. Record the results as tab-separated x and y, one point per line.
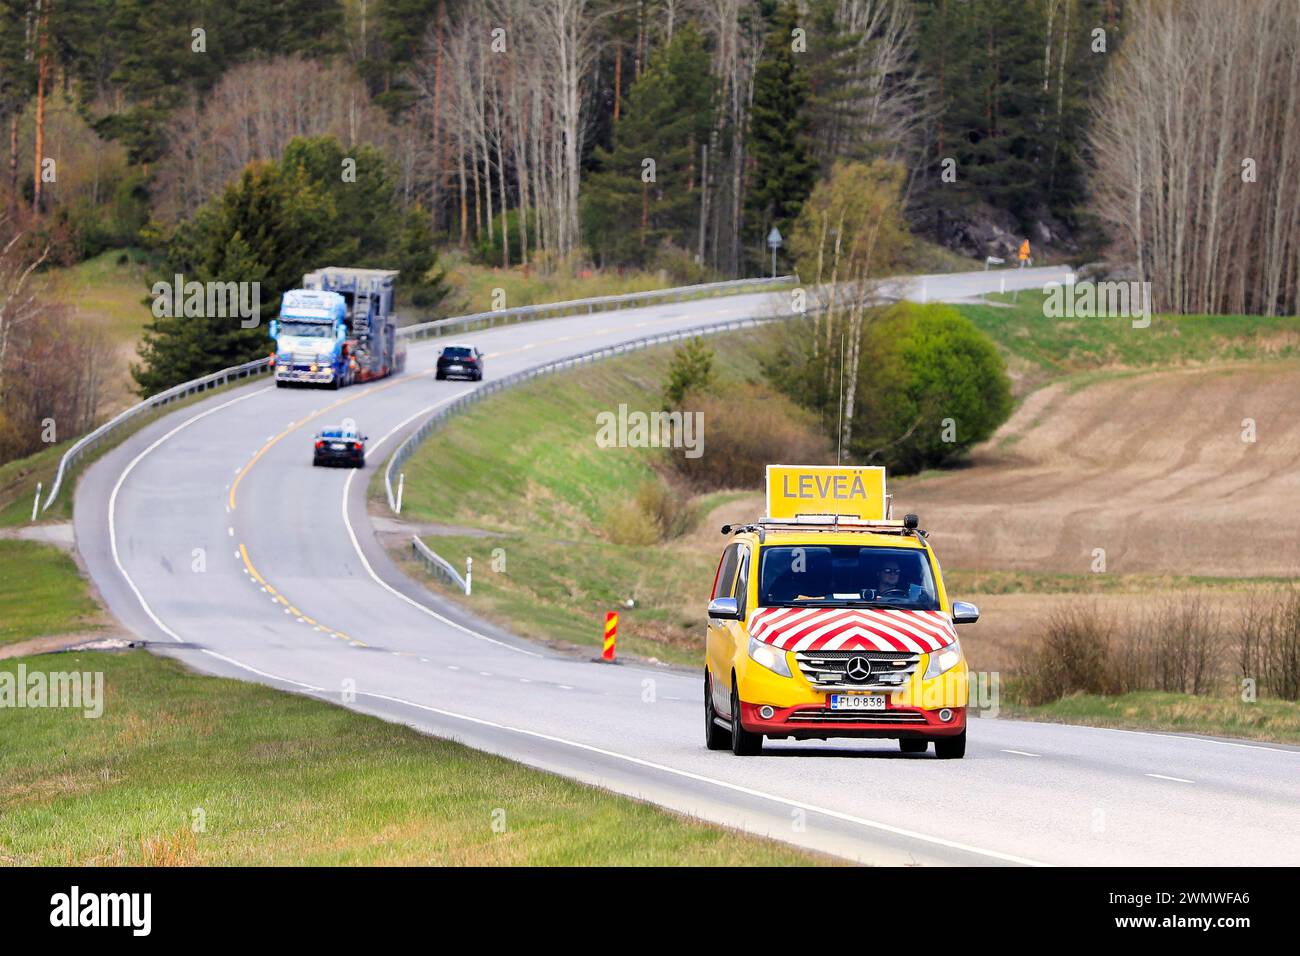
839	432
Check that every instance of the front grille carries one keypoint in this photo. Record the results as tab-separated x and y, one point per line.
827	670
858	716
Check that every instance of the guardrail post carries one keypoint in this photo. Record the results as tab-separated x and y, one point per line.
37	501
469	575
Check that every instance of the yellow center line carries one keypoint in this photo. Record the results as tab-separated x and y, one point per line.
293	426
234	485
257	576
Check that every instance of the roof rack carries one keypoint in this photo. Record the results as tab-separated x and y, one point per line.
830	524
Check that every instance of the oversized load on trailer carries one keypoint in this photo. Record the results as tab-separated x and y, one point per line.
338	329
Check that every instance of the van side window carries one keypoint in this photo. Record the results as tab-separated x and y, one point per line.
742	581
726	572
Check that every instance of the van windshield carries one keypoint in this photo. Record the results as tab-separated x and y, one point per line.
846	575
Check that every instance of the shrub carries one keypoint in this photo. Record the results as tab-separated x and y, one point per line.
657	512
691	370
1268	643
1073	656
921	366
745	430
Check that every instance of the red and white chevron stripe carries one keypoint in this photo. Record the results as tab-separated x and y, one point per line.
850	629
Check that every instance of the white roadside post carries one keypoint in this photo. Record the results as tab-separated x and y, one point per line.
37	502
401	483
469	575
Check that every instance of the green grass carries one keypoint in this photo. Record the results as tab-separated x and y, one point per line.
18	480
283	779
525	464
41	593
555	589
1061	346
110	291
471	285
1263	719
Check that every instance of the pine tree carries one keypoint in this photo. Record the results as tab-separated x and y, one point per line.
631	208
784	169
277	223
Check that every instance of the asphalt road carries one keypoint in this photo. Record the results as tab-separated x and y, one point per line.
210	534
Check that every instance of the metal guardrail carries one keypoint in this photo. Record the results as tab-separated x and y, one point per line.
604	303
526	313
417	437
440	566
88	443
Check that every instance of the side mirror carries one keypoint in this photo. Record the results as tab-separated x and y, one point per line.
724	608
275	328
964	613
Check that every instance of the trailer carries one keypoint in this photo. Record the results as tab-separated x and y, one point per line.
339	328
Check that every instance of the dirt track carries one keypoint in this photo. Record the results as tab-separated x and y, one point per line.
1151	467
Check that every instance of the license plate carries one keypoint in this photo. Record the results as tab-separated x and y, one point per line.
454	368
857	701
337	447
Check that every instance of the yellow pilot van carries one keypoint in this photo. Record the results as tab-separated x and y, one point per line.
830	619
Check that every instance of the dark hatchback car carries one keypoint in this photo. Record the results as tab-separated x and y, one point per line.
340	446
460	361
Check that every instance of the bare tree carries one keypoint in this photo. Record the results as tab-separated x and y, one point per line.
1198	158
254	112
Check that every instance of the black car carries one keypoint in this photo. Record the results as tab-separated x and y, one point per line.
460	361
340	446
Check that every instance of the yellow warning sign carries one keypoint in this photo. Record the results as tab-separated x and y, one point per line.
850	491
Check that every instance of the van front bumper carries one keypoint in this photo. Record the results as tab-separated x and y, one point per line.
816	720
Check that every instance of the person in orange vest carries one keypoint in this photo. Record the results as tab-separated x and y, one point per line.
1024	254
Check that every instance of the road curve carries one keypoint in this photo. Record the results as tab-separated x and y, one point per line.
209	534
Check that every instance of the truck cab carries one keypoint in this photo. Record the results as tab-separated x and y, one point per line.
338	329
311	345
829	619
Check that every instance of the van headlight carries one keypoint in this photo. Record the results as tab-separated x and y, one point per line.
943	660
773	658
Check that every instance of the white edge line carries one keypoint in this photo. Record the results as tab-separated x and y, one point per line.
737	788
112	505
347	523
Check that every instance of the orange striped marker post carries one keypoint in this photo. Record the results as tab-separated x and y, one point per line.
611	635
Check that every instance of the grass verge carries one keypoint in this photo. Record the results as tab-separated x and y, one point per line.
280	779
1063	346
42	593
1263	719
525	465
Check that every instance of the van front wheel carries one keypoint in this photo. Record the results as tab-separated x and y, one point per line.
743	742
950	748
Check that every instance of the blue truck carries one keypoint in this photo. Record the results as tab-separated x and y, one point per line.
339	328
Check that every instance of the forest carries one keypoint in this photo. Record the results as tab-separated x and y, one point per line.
567	135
